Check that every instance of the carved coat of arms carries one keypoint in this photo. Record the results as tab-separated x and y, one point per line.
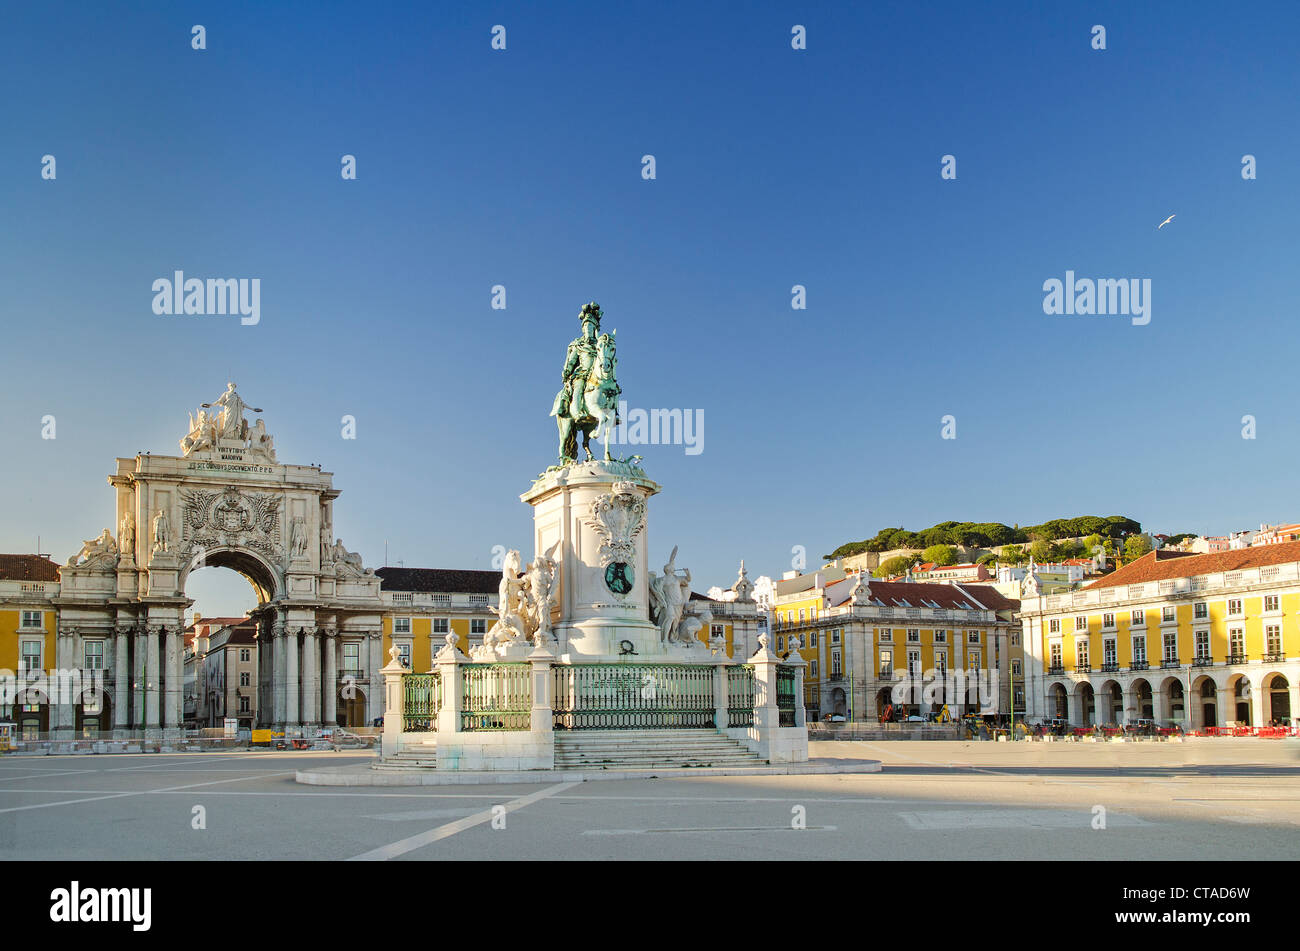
231	517
618	517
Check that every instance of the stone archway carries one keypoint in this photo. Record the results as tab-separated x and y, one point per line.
1203	709
1277	696
1110	704
225	501
1085	703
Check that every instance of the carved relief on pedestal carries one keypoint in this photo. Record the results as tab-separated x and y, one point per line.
618	517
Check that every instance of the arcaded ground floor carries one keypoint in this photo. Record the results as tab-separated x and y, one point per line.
1203	799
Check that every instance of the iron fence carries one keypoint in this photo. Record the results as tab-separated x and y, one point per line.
633	696
740	695
496	697
785	695
421	701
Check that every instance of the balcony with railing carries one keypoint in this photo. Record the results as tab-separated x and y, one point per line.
1235	659
1056	670
1109	667
1274	657
1139	665
1203	660
1169	663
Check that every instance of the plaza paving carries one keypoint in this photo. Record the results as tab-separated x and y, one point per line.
1208	799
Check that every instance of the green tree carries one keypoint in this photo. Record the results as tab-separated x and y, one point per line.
1013	555
893	566
1041	550
1091	544
1135	546
941	555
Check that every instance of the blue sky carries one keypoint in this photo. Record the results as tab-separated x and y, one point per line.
774	168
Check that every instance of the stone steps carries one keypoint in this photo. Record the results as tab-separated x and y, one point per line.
649	749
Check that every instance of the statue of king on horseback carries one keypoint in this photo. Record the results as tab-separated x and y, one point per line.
588	400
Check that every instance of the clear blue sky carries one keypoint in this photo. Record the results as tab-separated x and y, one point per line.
775	168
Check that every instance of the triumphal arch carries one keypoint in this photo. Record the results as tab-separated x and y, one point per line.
224	501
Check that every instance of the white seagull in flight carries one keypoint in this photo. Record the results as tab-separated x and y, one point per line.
1165	222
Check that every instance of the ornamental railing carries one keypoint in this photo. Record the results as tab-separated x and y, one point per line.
421	701
496	696
740	696
633	697
785	695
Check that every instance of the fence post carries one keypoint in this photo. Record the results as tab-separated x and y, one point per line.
447	662
795	660
766	715
721	692
394	703
541	659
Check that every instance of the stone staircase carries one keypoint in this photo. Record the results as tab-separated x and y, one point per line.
422	754
649	749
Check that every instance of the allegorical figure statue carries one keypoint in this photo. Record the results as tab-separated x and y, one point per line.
232	424
588	396
127	534
668	597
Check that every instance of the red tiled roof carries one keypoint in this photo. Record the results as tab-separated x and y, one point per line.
28	568
916	594
1162	565
990	597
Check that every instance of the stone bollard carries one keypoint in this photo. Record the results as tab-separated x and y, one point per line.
543	684
393	703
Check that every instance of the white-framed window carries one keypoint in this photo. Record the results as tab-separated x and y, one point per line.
780	643
244	706
835	636
478	625
1108	619
351	657
405	649
31	619
1015	667
812	668
1015	638
1200	610
1171	646
886	664
245	654
1054	652
1140	650
401	625
1054	626
441	625
1272	602
1109	651
1236	641
941	664
835	663
1202	645
717	630
94	651
972	660
245	679
914	663
31	655
1081	623
1137	618
812	638
941	636
1167	614
885	633
1273	638
913	635
1234	607
1081	653
972	637
801	615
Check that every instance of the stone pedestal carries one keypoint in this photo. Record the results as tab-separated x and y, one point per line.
593	515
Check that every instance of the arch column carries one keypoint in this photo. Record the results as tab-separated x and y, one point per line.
1225	707
1293	692
152	675
62	704
121	679
311	680
172	705
292	682
278	686
375	695
331	693
140	649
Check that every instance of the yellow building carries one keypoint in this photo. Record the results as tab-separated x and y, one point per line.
28	627
860	637
1193	640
